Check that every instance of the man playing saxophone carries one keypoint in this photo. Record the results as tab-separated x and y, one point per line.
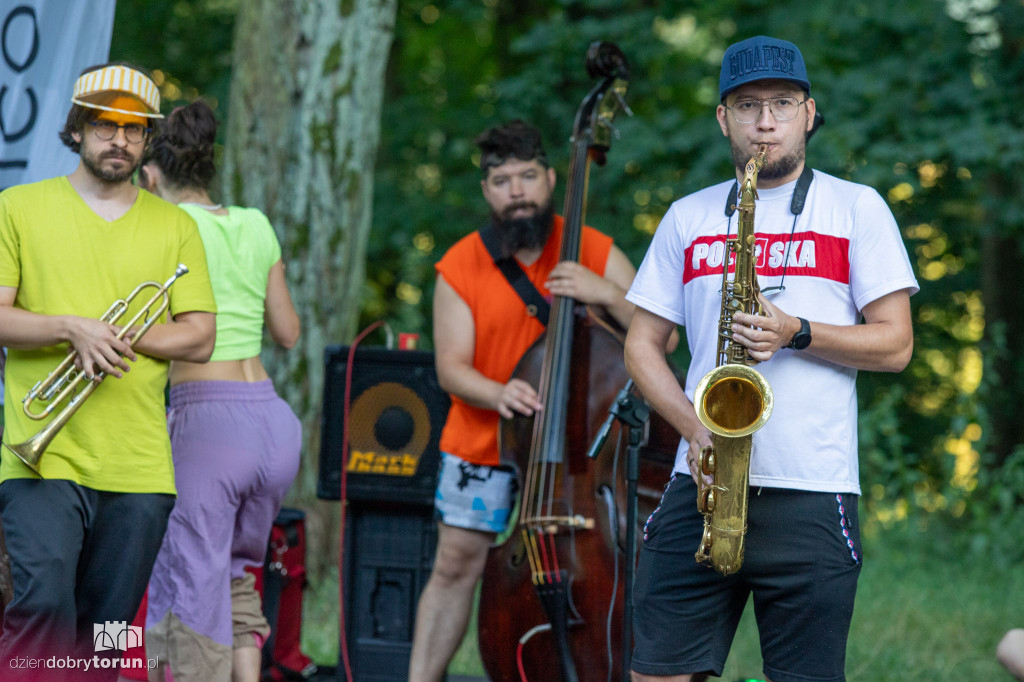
83	535
835	286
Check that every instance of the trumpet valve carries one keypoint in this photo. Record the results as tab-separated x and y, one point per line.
32	393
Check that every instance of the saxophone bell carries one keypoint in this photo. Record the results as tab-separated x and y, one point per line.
733	400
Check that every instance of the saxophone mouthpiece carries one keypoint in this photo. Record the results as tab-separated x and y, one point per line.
761	156
754	166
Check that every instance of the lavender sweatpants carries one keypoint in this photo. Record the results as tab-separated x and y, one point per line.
236	451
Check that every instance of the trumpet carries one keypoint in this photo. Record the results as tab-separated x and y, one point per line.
62	384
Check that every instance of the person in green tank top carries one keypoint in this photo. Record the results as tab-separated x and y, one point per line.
236	443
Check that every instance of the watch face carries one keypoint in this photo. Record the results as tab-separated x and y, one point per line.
801	340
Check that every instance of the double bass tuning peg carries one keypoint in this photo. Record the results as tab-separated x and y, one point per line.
606	120
622	103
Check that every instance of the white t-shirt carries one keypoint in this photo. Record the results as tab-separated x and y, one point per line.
846	252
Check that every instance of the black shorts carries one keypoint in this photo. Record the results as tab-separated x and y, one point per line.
801	564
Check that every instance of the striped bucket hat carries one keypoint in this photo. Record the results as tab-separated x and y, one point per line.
100	89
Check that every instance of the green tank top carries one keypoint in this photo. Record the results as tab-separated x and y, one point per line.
240	249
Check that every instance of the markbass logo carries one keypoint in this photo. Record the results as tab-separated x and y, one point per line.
115	635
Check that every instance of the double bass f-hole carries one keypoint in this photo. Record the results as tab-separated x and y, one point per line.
551	612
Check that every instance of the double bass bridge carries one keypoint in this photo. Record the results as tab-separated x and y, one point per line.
553	524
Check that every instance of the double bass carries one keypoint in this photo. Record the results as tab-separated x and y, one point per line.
551	604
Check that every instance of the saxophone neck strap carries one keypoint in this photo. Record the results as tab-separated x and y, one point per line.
536	305
803	184
796	205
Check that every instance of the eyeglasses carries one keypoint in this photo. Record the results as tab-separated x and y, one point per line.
782	108
133	132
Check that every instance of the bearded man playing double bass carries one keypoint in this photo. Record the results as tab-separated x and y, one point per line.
481	329
83	533
841	283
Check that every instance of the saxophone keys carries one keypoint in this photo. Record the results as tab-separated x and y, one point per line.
706	541
707	501
706	462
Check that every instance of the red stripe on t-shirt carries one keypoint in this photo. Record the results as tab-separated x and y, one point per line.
810	254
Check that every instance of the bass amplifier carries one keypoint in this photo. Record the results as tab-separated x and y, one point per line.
396	412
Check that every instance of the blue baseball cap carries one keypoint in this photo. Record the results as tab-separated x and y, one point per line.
761	58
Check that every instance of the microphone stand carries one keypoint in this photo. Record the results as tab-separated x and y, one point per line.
633	413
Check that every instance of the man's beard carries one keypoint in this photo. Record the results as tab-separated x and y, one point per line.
523	233
93	164
774	168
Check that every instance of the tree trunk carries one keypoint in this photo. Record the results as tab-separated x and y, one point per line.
302	138
1002	245
1004	326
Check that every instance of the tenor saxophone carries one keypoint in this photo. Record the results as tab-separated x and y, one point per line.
733	400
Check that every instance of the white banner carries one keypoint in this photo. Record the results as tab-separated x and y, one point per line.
45	46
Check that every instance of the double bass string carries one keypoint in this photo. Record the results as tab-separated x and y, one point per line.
548	452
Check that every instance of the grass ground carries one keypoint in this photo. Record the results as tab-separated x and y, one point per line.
923	614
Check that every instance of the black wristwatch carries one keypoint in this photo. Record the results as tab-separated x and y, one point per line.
802	338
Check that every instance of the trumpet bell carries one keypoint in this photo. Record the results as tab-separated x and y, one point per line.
733	400
28	452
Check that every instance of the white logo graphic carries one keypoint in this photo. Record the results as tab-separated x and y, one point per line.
115	635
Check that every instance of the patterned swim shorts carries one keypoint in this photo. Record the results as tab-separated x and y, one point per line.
474	496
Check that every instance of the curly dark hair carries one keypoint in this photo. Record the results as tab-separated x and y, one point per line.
514	139
183	147
79	116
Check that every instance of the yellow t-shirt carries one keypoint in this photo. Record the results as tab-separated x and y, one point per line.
66	260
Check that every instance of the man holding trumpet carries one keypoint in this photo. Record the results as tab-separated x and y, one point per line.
83	532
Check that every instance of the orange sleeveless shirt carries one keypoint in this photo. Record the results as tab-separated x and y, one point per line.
504	331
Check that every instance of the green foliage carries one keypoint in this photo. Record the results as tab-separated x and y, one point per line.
185	45
994	509
189	41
